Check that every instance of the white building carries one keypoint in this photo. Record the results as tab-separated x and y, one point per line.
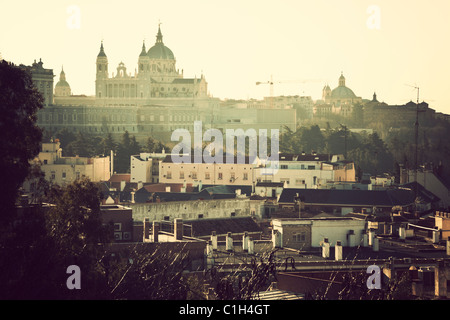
145	167
304	234
65	170
233	174
308	170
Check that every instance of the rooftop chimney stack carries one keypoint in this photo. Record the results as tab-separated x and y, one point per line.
229	242
338	251
178	229
325	248
155	231
251	246
245	241
277	239
214	240
146	229
448	246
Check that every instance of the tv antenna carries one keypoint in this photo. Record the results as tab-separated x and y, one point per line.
416	136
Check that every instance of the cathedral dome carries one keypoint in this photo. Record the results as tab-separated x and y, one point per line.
342	93
62	87
159	50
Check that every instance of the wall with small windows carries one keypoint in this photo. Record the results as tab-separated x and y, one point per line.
223	208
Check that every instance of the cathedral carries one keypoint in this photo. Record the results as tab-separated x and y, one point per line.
155	77
153	100
339	101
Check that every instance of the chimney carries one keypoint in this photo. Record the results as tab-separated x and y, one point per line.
351	238
325	248
371	236
436	236
375	246
448	246
402	232
178	229
338	251
146	229
245	241
277	239
155	231
209	254
229	242
365	237
251	246
214	240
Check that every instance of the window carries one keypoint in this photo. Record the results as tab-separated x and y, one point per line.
77	175
299	181
169	175
53	175
207	176
45	161
194	175
245	176
63	175
182	175
117	227
284	166
299	237
220	177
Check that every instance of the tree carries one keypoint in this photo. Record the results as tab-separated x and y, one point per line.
19	135
127	147
108	144
150	145
82	146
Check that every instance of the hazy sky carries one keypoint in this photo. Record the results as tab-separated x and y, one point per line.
379	45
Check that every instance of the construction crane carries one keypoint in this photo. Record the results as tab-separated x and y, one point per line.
271	85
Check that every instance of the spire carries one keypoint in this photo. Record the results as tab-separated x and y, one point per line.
144	51
159	35
62	75
102	51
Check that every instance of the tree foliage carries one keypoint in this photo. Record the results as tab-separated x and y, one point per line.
19	135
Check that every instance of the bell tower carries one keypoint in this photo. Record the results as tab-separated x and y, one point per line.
342	80
101	73
143	63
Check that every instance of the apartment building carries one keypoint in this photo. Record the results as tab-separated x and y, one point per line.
195	173
144	167
309	170
65	170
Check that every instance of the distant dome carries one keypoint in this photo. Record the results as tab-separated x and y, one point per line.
159	50
62	87
342	92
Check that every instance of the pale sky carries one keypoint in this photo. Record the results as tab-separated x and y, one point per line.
237	43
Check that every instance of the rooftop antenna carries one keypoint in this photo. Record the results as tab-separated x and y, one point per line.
416	136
